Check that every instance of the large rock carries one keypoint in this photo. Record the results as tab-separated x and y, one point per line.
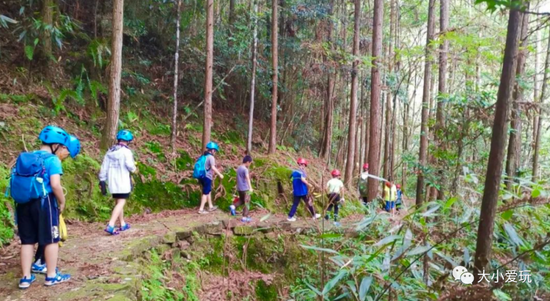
243	230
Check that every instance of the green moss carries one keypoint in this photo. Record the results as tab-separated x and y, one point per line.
184	161
6	218
266	292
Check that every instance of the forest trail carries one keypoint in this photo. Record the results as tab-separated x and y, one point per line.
103	267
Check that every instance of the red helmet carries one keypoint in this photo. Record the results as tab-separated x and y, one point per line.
388	184
365	166
398	186
335	173
302	161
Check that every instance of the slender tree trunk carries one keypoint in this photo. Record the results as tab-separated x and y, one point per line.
353	102
425	103
537	130
46	36
514	143
375	126
176	63
442	90
231	23
329	102
96	6
209	69
253	80
498	143
113	104
274	54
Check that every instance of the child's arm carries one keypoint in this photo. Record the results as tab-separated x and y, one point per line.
55	182
130	163
248	180
103	170
217	171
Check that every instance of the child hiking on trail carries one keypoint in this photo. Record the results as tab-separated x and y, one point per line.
35	186
204	172
390	195
39	265
399	202
244	188
300	191
115	171
334	189
362	187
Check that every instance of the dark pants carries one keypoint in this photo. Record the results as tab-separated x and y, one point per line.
244	199
297	202
38	221
334	200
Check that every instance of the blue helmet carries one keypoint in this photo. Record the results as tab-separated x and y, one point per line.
53	134
212	145
74	146
125	135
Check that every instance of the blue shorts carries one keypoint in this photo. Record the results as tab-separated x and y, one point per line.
38	221
206	184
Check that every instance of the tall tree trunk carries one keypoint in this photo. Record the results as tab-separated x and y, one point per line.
329	102
176	63
113	105
442	90
498	143
536	78
389	101
537	130
46	36
231	23
375	126
353	102
274	55
253	80
208	77
514	143
425	103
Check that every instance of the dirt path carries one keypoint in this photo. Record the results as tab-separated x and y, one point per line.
105	267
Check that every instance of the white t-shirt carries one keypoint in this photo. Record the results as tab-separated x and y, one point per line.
334	185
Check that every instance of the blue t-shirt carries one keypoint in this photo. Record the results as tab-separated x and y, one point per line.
399	194
53	167
299	187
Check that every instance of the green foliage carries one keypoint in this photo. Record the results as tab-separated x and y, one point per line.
6	218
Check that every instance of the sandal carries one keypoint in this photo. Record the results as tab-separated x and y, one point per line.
25	282
58	278
124	228
111	230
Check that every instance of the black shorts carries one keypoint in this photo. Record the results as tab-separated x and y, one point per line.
121	196
38	221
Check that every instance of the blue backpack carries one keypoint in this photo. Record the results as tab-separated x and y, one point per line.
27	178
199	171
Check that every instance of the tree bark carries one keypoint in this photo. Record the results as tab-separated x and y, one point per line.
176	63
208	77
46	36
274	54
537	130
113	104
253	80
329	102
352	131
442	89
425	103
231	23
514	143
498	143
375	126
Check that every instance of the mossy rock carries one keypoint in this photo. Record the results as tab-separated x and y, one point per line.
243	230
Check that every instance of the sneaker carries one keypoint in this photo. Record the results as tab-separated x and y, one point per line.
25	282
58	278
124	228
232	210
39	268
111	230
246	219
291	219
327	217
337	224
203	212
317	215
213	208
